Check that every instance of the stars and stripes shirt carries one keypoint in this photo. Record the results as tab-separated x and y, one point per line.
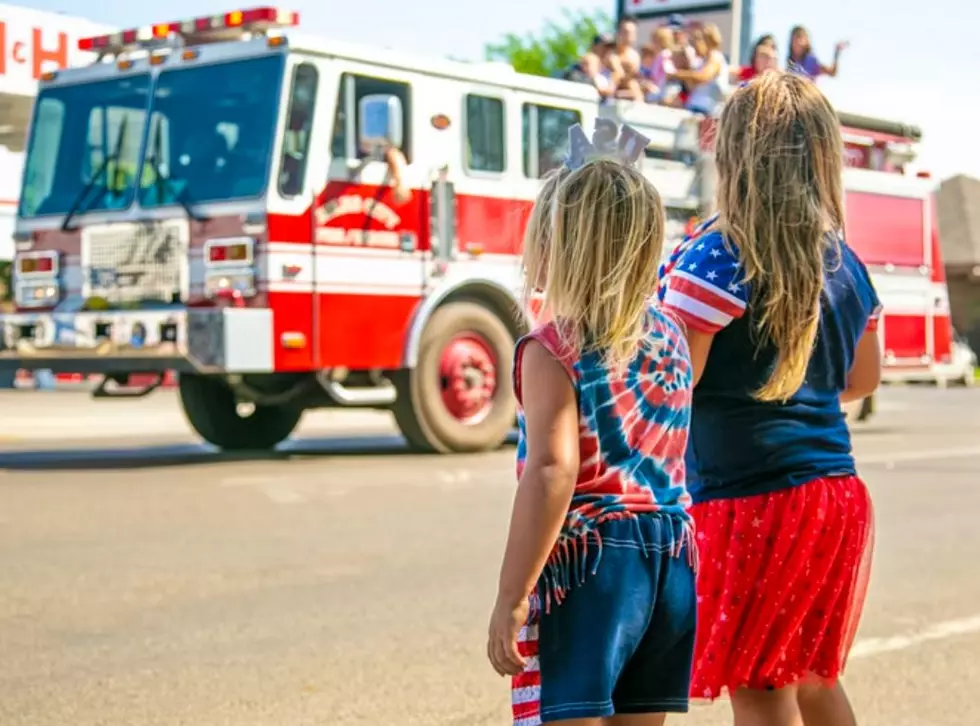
702	282
740	446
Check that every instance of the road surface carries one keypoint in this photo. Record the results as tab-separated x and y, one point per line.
145	579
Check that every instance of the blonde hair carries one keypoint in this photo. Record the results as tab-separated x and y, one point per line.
780	202
663	37
594	243
712	36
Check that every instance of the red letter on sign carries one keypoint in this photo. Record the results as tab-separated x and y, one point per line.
3	48
59	56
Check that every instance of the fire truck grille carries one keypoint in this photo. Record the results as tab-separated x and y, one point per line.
127	262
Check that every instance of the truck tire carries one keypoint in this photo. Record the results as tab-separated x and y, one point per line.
211	409
459	397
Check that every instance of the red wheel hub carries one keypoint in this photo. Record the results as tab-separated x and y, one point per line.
468	377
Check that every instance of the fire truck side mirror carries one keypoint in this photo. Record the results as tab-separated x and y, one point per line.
379	123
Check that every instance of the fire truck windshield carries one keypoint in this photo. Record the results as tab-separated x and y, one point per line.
86	134
210	138
212	129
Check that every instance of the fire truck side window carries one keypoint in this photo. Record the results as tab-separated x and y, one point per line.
299	123
352	89
545	131
485	144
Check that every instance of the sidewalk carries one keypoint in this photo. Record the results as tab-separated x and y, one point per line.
74	415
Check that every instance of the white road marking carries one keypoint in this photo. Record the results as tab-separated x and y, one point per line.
890	457
867	647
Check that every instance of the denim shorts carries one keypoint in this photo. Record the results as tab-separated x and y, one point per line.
621	640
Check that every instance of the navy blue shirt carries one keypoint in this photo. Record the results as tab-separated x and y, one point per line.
739	446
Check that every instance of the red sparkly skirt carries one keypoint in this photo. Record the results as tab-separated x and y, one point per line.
781	585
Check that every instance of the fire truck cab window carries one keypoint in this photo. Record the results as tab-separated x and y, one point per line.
299	124
212	132
352	89
485	147
85	133
545	136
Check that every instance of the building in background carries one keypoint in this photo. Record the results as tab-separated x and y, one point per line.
959	233
733	18
32	42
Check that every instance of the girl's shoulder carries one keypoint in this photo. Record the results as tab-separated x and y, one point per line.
705	247
555	338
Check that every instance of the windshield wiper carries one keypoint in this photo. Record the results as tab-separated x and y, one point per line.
164	182
76	206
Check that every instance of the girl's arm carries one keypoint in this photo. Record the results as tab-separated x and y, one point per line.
546	486
543	496
831	70
632	90
616	71
705	73
699	343
865	373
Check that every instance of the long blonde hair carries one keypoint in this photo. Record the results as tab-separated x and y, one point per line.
593	244
780	202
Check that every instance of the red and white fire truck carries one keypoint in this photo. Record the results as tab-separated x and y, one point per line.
292	223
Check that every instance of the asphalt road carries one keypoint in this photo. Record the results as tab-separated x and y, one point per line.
147	580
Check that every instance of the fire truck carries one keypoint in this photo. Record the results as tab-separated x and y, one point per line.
290	223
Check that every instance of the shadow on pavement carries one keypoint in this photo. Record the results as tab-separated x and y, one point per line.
137	456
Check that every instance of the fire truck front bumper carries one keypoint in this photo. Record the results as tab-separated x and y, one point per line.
190	340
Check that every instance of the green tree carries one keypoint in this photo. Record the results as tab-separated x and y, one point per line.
556	48
6	281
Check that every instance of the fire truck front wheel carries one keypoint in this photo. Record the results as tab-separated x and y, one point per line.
213	412
459	396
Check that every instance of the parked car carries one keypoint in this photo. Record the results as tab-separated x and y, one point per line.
962	368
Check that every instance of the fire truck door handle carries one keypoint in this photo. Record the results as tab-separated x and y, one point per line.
444	199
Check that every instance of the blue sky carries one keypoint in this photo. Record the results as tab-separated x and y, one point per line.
909	60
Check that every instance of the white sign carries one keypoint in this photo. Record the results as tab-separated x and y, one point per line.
33	42
665	7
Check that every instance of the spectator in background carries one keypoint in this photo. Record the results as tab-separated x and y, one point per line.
682	39
657	61
803	62
630	88
595	72
599	66
763	59
593	58
708	84
626	43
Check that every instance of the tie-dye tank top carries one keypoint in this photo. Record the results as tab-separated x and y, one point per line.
633	428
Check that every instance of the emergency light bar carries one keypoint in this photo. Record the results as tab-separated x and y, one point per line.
227	26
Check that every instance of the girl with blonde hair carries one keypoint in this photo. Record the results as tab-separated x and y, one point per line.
781	321
709	82
595	610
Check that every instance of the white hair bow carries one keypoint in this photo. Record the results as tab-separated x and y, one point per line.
608	142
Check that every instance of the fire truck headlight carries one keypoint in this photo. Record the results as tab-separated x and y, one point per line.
227	281
37	295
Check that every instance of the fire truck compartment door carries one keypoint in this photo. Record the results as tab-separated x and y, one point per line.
906	330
